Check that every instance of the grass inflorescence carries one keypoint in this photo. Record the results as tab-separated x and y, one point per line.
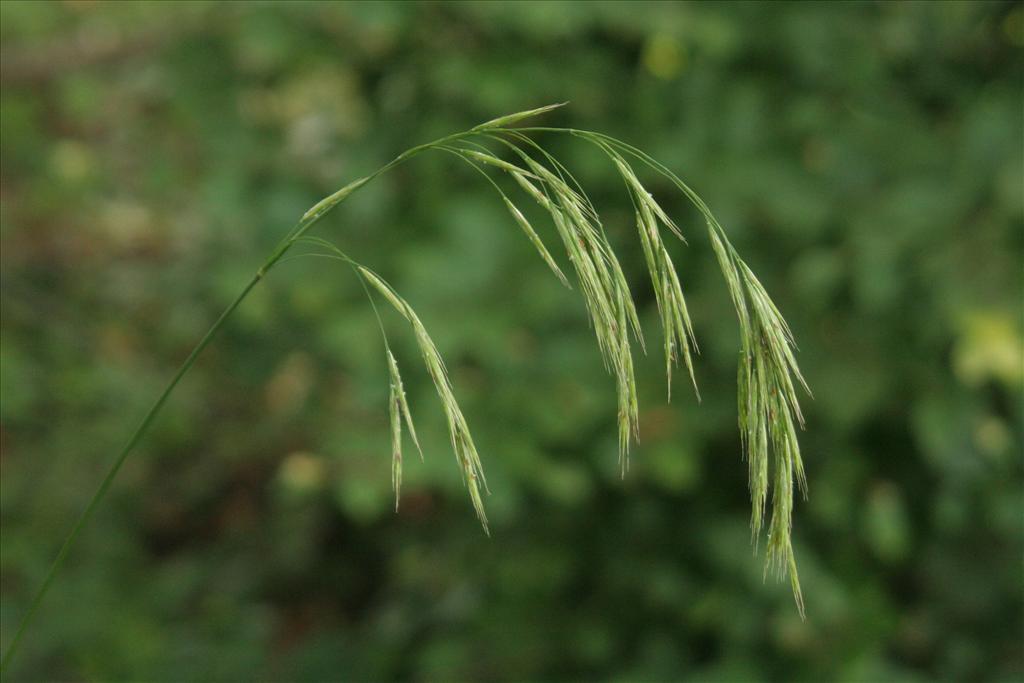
768	406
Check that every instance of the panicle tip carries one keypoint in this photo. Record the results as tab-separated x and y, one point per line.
502	121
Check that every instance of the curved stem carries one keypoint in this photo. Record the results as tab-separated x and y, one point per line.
140	431
286	243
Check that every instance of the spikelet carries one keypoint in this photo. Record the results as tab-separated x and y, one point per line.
491	160
605	291
536	241
394	410
329	202
508	120
462	441
398	409
674	315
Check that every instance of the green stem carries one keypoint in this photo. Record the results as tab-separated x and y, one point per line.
279	251
140	431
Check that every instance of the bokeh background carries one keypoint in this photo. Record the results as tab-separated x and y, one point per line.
866	159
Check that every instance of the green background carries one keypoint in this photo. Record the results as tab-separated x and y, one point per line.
866	160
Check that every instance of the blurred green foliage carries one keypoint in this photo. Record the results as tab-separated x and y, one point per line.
867	160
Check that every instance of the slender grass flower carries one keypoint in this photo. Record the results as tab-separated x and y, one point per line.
768	376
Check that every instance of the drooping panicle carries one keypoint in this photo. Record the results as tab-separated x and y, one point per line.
768	406
769	413
768	409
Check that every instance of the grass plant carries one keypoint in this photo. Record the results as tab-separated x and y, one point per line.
768	376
